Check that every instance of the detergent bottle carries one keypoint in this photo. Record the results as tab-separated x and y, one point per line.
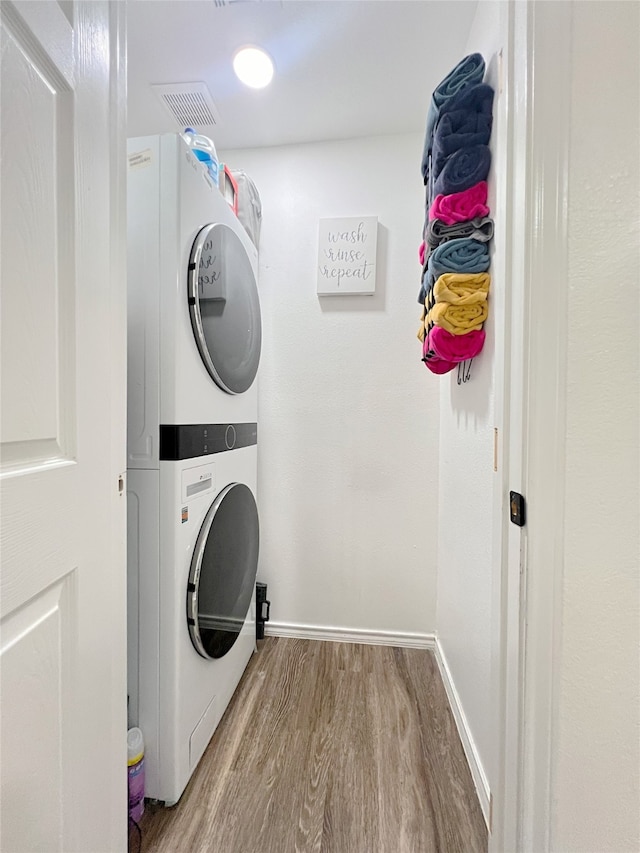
204	150
135	761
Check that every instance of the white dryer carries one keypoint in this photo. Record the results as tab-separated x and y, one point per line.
193	554
193	306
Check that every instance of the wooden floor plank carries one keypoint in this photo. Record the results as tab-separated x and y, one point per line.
329	748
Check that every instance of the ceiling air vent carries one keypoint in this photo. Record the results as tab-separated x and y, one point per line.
220	3
190	104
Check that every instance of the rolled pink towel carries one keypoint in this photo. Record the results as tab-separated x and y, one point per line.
421	252
433	362
454	348
437	365
460	207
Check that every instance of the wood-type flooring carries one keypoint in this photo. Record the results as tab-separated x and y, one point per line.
328	748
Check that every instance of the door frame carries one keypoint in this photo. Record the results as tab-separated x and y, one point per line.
118	358
529	560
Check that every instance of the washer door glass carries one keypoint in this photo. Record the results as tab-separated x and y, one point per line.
223	571
224	307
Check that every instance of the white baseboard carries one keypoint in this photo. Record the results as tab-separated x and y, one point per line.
470	750
350	635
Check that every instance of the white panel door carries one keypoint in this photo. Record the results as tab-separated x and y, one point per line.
62	429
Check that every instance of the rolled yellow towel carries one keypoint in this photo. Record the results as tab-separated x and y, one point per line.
458	319
462	288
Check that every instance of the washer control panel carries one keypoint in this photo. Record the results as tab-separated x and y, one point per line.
189	441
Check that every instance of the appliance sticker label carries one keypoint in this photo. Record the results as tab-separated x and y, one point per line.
140	159
185	514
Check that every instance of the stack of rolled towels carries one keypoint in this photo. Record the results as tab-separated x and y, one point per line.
454	253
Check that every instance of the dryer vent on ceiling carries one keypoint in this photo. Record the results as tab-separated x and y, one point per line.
190	104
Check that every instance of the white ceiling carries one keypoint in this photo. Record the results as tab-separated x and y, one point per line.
344	68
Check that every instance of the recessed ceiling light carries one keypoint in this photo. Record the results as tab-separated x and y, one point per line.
253	66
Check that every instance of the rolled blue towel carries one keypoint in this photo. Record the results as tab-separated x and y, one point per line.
473	99
468	72
456	130
480	228
463	170
462	255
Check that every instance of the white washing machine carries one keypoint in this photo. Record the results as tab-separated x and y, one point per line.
193	555
193	306
194	340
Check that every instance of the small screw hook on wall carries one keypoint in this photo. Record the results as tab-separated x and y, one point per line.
464	371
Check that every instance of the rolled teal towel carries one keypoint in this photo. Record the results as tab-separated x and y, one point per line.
468	72
462	255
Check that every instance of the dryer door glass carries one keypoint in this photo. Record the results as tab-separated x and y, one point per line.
224	307
223	571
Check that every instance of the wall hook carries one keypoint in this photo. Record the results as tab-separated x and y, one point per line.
464	371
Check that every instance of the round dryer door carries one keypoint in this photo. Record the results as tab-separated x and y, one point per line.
224	308
223	571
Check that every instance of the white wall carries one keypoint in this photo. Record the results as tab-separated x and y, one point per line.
595	784
348	415
467	479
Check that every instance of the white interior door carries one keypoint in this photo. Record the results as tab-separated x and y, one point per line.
62	629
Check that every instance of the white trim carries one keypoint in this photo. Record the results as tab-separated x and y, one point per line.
350	635
531	621
117	362
510	541
509	354
529	561
468	744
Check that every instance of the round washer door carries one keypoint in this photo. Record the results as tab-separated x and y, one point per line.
223	571
225	308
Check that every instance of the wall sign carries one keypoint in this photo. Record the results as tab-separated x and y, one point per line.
347	256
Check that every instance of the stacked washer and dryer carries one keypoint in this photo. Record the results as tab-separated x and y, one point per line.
194	339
